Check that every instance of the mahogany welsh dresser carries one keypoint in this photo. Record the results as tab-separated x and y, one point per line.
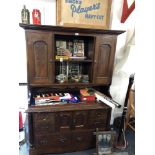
56	67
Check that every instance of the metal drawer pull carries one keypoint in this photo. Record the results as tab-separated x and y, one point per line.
62	140
64	127
79	126
43	141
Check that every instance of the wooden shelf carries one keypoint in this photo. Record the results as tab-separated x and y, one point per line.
74	60
69	29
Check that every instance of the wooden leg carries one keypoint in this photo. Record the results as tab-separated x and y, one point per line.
130	110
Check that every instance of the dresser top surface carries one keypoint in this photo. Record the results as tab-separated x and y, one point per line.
68	107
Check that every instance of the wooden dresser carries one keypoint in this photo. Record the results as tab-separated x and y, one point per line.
67	127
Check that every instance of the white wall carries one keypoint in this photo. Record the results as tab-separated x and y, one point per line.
48	17
125	53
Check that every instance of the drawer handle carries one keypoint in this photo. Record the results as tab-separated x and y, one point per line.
43	141
79	126
62	140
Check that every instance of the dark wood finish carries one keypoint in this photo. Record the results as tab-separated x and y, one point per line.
69	127
100	52
57	131
104	59
69	29
64	121
39	52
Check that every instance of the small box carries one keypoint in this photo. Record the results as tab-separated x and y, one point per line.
86	96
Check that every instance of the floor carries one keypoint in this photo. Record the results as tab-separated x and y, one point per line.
130	149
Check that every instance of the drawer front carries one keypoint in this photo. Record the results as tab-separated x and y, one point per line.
39	117
83	139
63	121
44	123
98	119
43	127
80	119
56	140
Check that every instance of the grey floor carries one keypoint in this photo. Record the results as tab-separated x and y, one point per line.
130	150
24	151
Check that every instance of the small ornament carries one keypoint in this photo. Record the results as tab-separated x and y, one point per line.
25	15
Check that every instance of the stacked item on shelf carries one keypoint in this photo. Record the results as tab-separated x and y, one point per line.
61	50
69	49
55	98
87	94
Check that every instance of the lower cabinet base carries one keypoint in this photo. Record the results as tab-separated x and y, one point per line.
66	142
67	129
35	151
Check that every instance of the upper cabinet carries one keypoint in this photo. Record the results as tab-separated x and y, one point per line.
62	56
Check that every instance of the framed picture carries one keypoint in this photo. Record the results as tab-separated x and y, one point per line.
104	142
83	13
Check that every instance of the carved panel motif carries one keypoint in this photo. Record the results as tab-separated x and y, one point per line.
41	58
104	57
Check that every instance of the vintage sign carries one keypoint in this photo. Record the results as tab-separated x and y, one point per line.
84	13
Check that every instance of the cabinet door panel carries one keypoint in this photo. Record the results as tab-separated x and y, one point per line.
39	52
44	123
80	119
64	121
99	119
40	117
83	139
43	127
104	59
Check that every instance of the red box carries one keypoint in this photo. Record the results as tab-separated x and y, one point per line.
87	98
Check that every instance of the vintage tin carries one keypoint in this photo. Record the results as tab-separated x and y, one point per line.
36	16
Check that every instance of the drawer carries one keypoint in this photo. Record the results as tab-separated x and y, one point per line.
98	114
83	139
80	120
43	127
44	122
53	140
63	121
98	119
42	117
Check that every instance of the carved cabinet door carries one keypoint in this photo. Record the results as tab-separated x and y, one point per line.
63	121
39	54
104	59
80	119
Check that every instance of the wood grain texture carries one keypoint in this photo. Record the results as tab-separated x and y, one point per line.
55	128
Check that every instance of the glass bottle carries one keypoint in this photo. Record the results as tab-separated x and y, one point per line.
25	15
